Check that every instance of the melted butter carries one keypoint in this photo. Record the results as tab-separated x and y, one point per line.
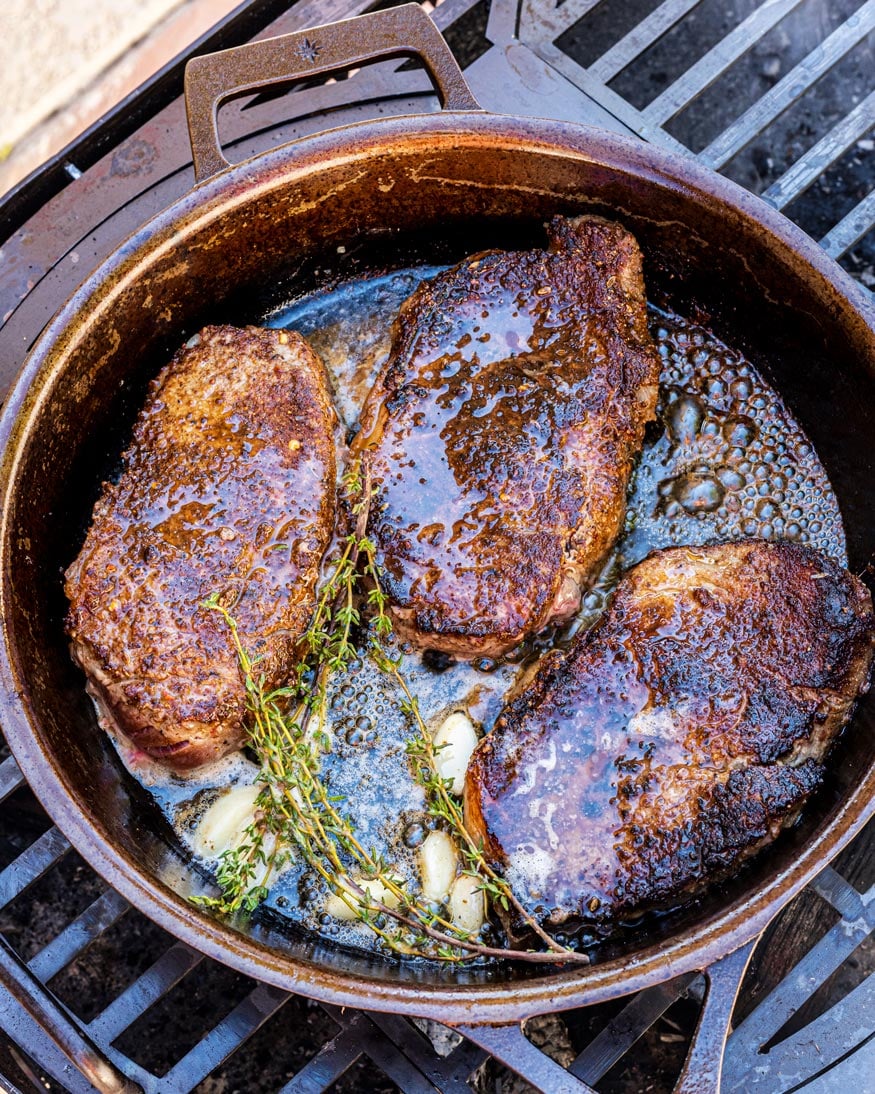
725	460
730	461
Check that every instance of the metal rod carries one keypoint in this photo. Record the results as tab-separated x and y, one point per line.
511	1046
798	985
388	1056
792	87
640	38
235	1028
716	61
330	1062
10	777
704	1064
810	166
625	1028
42	1006
847	901
41	856
832	1037
449	12
156	981
851	228
553	19
81	932
605	97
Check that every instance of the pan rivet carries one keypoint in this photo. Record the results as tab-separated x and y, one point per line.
308	51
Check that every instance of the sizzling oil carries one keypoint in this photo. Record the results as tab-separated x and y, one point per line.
724	460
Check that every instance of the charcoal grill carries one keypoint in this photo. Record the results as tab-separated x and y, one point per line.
138	1007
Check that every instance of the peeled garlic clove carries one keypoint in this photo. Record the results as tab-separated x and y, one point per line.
454	741
467	903
438	862
223	824
337	907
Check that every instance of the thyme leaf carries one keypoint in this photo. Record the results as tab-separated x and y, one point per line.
296	814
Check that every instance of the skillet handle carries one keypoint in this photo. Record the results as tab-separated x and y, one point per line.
704	1062
215	78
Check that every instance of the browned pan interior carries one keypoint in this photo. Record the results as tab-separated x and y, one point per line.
396	194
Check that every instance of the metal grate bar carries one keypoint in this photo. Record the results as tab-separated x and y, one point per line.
633	1021
66	946
800	983
561	16
217	1045
464	1059
58	1023
847	901
375	1044
24	1031
10	777
833	1035
450	11
510	1045
8	1087
641	37
610	100
797	81
820	156
851	228
32	864
326	1067
147	989
715	62
416	1046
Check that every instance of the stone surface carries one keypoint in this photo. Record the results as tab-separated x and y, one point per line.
64	63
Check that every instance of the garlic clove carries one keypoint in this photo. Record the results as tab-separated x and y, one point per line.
438	863
223	825
467	903
337	907
454	741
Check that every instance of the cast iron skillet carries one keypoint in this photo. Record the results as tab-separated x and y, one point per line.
396	191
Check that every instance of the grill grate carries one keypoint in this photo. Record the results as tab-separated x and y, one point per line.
554	39
807	1008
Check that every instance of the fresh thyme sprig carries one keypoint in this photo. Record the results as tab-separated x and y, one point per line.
440	802
295	811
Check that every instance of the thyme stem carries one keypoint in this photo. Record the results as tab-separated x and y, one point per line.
295	807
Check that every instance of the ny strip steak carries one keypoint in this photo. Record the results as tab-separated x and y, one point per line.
677	736
228	488
501	435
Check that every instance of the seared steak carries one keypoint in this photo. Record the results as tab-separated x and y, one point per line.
501	434
678	735
228	487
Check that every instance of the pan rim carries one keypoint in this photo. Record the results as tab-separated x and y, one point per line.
725	930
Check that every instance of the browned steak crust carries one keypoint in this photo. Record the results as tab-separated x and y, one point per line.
502	432
228	487
678	735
